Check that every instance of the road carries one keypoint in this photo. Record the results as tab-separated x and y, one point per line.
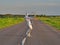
13	35
42	34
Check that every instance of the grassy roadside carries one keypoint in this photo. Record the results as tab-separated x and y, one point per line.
6	22
53	21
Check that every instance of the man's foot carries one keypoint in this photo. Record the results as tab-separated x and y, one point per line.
29	35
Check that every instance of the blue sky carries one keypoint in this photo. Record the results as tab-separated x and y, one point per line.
37	6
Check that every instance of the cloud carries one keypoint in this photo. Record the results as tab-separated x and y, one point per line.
45	4
21	7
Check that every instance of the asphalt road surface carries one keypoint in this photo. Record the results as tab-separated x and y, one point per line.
41	34
13	35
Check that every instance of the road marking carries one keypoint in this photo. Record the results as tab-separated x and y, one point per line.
23	41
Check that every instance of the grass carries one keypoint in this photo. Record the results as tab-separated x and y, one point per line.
53	21
6	22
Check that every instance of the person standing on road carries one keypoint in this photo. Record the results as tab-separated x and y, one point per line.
29	24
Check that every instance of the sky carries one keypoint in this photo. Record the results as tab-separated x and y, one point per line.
49	7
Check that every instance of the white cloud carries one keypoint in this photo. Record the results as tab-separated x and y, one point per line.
45	4
21	7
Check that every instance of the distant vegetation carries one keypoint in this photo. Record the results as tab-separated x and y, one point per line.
9	20
51	20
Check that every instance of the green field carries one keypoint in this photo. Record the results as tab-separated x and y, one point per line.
9	21
53	21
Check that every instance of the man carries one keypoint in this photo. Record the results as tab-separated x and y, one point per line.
29	25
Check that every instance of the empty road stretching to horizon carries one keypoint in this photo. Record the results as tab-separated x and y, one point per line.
42	34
